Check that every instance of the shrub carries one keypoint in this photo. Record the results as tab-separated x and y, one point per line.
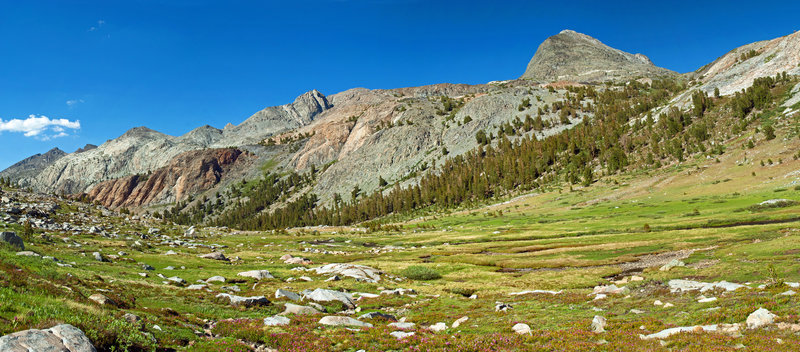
419	272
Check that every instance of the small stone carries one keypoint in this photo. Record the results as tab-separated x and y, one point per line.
290	308
343	321
378	315
276	320
102	300
214	256
215	279
458	322
598	324
401	334
438	327
521	328
256	274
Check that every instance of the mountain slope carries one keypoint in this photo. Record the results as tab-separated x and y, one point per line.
32	165
573	56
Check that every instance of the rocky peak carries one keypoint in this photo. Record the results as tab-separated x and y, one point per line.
311	103
32	165
140	132
575	56
85	148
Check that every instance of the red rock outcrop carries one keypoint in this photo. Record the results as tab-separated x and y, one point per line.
187	174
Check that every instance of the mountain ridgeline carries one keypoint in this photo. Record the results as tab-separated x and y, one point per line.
581	110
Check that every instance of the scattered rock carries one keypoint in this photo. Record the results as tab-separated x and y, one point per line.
399	292
132	318
276	320
196	287
288	294
245	301
358	272
214	256
721	328
324	295
673	263
99	257
12	239
176	280
502	307
521	328
28	254
343	321
760	318
401	334
299	310
215	279
609	290
60	338
789	293
402	325
598	324
256	274
688	285
102	300
460	321
438	327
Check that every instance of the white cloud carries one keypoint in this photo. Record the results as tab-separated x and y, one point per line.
40	127
73	102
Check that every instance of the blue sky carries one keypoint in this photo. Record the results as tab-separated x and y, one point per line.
175	65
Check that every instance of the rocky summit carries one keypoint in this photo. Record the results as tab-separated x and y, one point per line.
577	57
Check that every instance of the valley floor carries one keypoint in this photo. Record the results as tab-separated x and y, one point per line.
703	245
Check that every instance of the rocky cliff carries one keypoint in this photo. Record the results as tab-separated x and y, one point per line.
573	56
187	174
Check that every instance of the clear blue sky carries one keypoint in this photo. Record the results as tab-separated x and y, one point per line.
175	65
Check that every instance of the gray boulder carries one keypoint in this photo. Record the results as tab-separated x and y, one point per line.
245	301
214	255
12	239
276	320
288	294
358	272
290	308
60	338
343	321
256	274
323	295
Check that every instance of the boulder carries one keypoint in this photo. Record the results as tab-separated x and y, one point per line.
401	334
534	292
215	279
288	294
99	257
721	328
521	328
609	290
12	239
102	300
598	324
28	254
60	338
276	320
290	308
459	321
672	264
760	318
438	327
689	285
343	321
245	301
296	261
358	272
324	295
256	274
196	287
402	325
214	255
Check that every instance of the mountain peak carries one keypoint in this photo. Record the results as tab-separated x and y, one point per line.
574	56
